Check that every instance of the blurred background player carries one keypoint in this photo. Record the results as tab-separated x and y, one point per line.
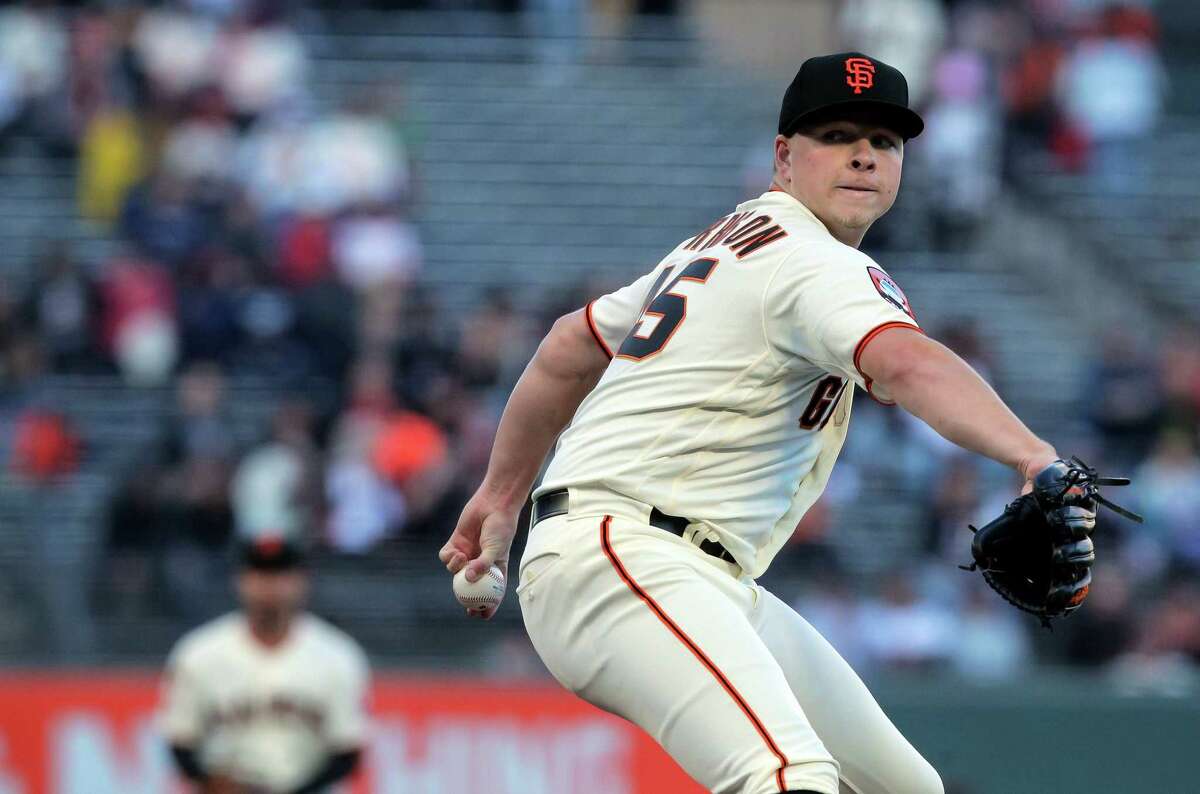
270	698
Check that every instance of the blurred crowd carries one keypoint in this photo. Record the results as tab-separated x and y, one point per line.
264	230
1140	417
1080	79
261	230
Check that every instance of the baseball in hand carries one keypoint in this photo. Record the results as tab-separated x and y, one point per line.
483	594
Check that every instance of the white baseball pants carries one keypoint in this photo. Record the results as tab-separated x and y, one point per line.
739	689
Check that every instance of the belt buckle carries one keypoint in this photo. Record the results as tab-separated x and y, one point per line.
698	534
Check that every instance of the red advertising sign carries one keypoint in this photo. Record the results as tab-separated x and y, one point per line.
96	734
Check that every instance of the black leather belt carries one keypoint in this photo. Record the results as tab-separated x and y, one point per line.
554	503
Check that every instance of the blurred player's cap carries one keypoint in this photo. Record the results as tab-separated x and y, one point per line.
829	83
271	553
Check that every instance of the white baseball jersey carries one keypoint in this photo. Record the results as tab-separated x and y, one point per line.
727	399
266	716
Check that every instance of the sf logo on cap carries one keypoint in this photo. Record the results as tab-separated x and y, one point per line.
860	74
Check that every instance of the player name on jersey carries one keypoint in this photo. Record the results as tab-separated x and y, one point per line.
741	236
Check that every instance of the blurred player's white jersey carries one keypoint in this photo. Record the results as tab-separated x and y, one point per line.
266	716
727	398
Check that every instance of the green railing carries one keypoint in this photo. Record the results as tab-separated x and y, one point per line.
1051	734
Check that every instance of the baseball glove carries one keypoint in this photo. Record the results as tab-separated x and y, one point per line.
1038	554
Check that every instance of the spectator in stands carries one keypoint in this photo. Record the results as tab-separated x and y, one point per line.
326	326
273	489
24	364
374	246
991	642
833	609
199	150
963	336
63	307
1102	633
33	50
1111	88
410	452
137	325
365	507
134	534
196	512
494	344
956	500
178	51
262	63
200	426
901	629
198	450
1179	372
380	319
210	291
1174	626
1168	490
10	329
45	453
914	458
1123	398
304	252
908	34
424	351
961	149
266	326
45	446
112	161
353	157
271	166
1027	88
163	219
1166	659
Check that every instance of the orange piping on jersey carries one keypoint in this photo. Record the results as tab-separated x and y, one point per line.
595	332
862	345
606	545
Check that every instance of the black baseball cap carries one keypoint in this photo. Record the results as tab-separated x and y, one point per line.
270	553
829	83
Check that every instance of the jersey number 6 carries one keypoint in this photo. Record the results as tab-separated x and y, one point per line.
820	407
669	307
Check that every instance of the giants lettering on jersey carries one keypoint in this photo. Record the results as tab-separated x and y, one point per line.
241	712
742	236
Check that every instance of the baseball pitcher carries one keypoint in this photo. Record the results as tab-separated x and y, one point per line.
707	403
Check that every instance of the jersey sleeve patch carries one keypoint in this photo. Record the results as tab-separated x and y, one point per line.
890	290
